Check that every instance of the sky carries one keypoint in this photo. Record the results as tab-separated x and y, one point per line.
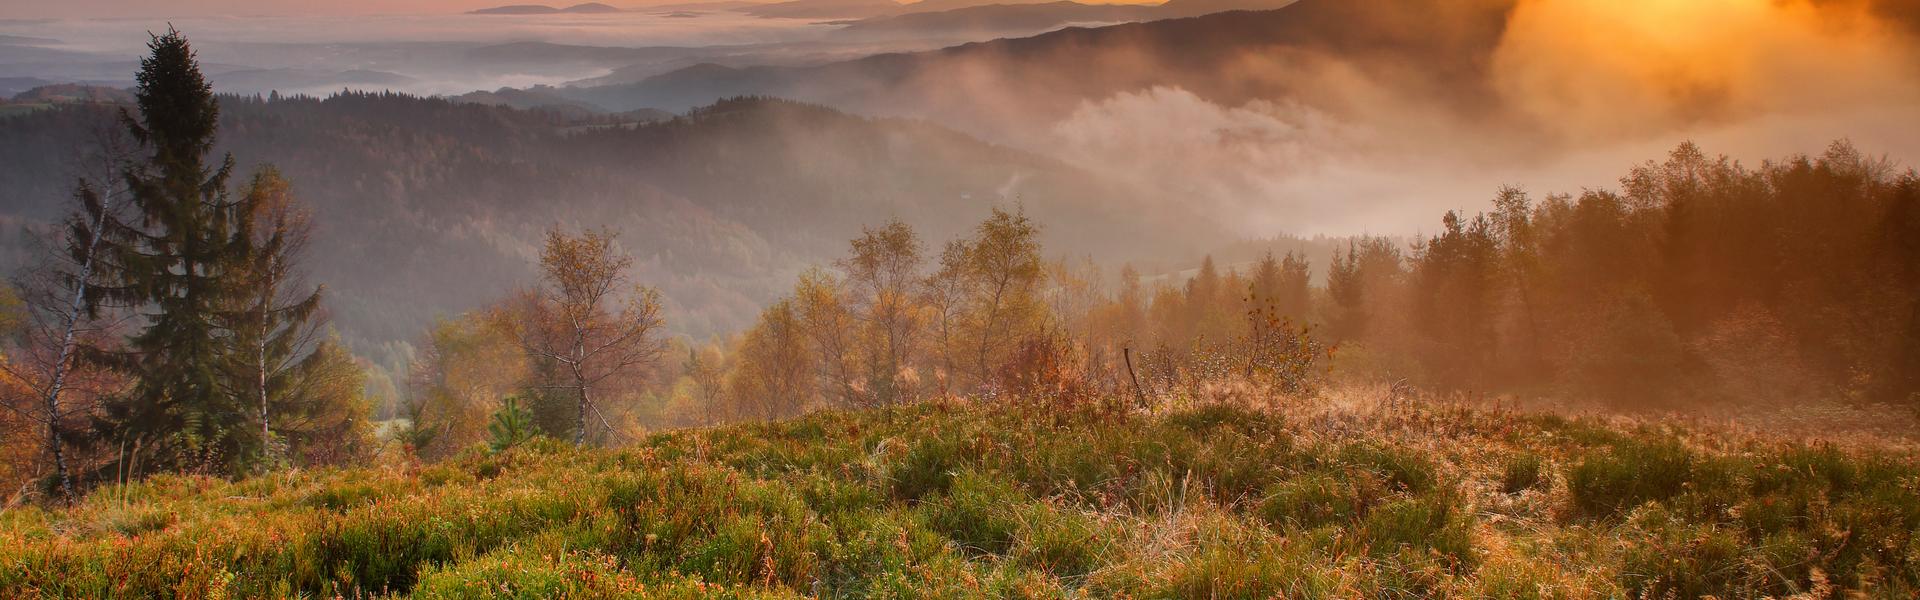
38	9
71	9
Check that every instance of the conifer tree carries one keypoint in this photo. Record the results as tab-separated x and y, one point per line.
175	263
512	425
1292	290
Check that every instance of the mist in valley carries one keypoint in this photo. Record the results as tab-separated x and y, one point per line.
1022	285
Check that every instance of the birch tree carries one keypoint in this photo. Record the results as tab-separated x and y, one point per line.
578	320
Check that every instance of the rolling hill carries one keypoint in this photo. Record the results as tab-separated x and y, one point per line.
429	207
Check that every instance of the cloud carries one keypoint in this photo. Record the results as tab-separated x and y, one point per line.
1581	91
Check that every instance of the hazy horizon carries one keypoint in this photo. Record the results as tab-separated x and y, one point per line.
136	9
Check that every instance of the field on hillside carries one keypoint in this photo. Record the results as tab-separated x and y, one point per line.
964	500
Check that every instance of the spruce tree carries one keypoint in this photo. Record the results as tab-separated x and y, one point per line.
175	263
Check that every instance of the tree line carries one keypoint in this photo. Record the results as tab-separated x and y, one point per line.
1700	280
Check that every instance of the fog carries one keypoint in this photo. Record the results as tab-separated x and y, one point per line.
1354	119
1582	90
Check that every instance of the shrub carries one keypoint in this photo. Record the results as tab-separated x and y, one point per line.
1433	522
1636	472
1222	573
1312	500
1062	542
1404	468
978	512
1683	562
1521	473
926	469
1102	508
511	426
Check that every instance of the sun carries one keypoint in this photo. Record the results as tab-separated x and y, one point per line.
1607	64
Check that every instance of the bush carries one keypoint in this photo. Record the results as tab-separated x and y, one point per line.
1405	469
1522	473
1221	573
1102	508
1636	472
926	469
1059	541
511	426
1433	522
1684	562
1311	501
978	512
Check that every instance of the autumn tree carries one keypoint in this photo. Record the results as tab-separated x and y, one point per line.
1521	268
705	371
1129	313
832	334
1455	275
320	408
1363	284
1283	286
1203	318
59	317
464	368
578	321
774	375
999	271
1074	293
945	294
272	320
882	278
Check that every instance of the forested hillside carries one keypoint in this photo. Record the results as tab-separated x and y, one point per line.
425	207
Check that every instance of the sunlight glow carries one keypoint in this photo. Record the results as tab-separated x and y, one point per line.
1689	60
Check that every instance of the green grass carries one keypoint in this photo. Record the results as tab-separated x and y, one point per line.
946	500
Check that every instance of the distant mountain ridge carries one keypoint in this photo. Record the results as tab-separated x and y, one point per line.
542	9
995	20
1437	50
305	81
68	93
824	9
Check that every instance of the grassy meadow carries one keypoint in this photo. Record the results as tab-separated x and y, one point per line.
959	500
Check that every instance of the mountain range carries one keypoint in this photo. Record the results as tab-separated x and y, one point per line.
1429	49
542	9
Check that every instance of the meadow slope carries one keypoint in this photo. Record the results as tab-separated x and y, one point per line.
969	500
